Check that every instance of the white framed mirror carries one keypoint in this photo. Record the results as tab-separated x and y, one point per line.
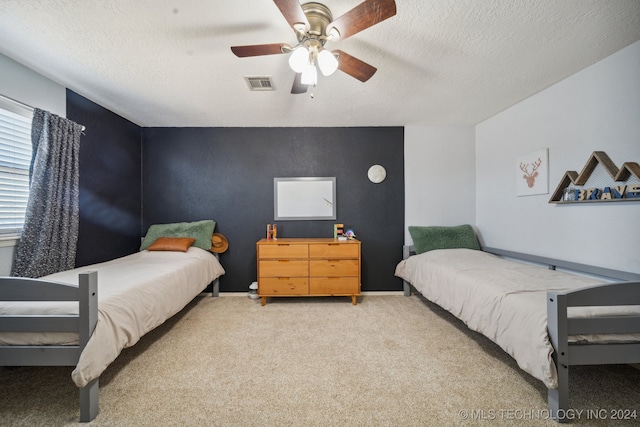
304	198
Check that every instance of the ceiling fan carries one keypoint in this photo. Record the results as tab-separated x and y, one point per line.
314	25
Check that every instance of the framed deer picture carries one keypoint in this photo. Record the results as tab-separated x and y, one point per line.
532	173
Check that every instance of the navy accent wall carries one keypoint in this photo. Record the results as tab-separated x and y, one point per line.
110	182
226	174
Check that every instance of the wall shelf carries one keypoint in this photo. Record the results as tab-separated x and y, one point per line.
574	202
630	193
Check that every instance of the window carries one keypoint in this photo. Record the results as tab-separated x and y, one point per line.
15	157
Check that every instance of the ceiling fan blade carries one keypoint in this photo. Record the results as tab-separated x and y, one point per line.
354	67
260	49
298	87
294	14
361	17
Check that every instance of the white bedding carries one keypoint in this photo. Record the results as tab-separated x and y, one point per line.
136	293
504	300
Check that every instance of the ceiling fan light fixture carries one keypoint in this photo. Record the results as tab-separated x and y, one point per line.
309	75
299	59
333	34
327	62
314	26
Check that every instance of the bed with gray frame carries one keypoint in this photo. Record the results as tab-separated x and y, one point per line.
606	331
77	327
86	295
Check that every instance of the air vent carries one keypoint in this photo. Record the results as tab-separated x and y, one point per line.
259	83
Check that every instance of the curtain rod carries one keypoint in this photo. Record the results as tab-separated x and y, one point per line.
15	101
23	105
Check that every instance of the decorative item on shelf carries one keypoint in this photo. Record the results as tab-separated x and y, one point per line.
338	231
253	290
569	194
628	175
349	234
272	232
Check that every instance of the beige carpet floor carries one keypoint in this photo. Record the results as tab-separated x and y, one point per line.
388	361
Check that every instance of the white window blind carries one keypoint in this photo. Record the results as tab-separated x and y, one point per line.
15	157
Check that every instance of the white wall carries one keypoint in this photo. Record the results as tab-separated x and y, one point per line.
25	85
439	175
597	109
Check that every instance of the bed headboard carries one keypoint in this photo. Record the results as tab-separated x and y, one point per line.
407	251
551	263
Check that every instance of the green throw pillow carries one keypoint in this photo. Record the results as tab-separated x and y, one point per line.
429	238
200	230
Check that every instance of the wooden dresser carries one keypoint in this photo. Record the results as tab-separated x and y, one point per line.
308	267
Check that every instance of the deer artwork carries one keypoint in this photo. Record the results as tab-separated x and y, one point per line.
530	177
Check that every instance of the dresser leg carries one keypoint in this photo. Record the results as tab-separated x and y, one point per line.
354	299
264	301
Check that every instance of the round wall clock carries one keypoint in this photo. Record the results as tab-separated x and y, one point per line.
377	174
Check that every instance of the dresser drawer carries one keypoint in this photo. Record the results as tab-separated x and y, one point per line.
283	286
283	268
334	285
334	267
334	250
283	250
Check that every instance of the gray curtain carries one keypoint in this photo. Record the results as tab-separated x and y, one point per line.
50	235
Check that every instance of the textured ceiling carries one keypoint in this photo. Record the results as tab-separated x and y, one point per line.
440	62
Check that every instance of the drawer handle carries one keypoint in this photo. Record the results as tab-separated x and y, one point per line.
284	278
284	260
283	244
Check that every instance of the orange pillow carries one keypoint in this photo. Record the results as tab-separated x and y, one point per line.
179	244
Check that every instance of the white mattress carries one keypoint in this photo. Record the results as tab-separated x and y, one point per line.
504	300
136	293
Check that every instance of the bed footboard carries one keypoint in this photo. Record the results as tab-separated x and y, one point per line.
561	327
86	294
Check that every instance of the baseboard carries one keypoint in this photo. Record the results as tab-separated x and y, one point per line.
366	294
381	293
